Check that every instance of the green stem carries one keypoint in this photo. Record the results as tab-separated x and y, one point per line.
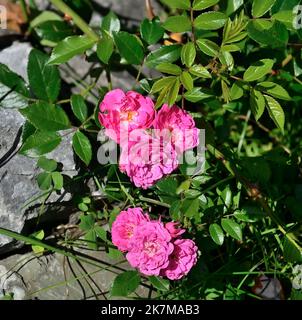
154	202
78	21
24	10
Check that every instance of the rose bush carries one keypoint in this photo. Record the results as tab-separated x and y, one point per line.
222	76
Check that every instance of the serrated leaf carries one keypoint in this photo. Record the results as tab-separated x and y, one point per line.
162	83
47	164
200	71
216	233
44	80
111	23
105	49
258	70
274	90
169	68
160	283
173	92
257	103
70	47
187	80
163	54
40	143
57	179
178	4
13	89
178	24
208	47
203	4
125	283
129	47
82	147
211	20
44	180
46	117
276	112
151	30
232	228
275	35
54	31
197	94
188	54
79	107
260	7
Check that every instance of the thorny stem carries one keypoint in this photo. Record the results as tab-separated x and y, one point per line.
78	21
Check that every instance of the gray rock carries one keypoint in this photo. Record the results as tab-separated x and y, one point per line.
17	173
52	277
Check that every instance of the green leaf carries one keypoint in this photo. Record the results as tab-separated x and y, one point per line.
111	23
46	117
204	4
13	89
188	54
274	90
275	111
178	4
163	54
169	68
178	24
190	207
40	236
200	72
43	17
151	30
54	31
105	49
100	232
286	17
208	47
258	70
129	47
82	147
79	107
125	283
162	83
44	180
160	283
274	35
216	233
70	47
91	239
291	252
211	20
249	214
232	228
40	143
47	164
44	80
57	180
173	92
236	91
197	94
87	222
233	5
260	7
187	80
257	103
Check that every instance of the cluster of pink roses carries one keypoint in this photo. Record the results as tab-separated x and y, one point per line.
154	248
147	155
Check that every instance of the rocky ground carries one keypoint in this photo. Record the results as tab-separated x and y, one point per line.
26	275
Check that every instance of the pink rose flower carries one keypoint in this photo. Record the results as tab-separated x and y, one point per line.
147	160
124	226
183	258
172	227
178	126
122	112
150	248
